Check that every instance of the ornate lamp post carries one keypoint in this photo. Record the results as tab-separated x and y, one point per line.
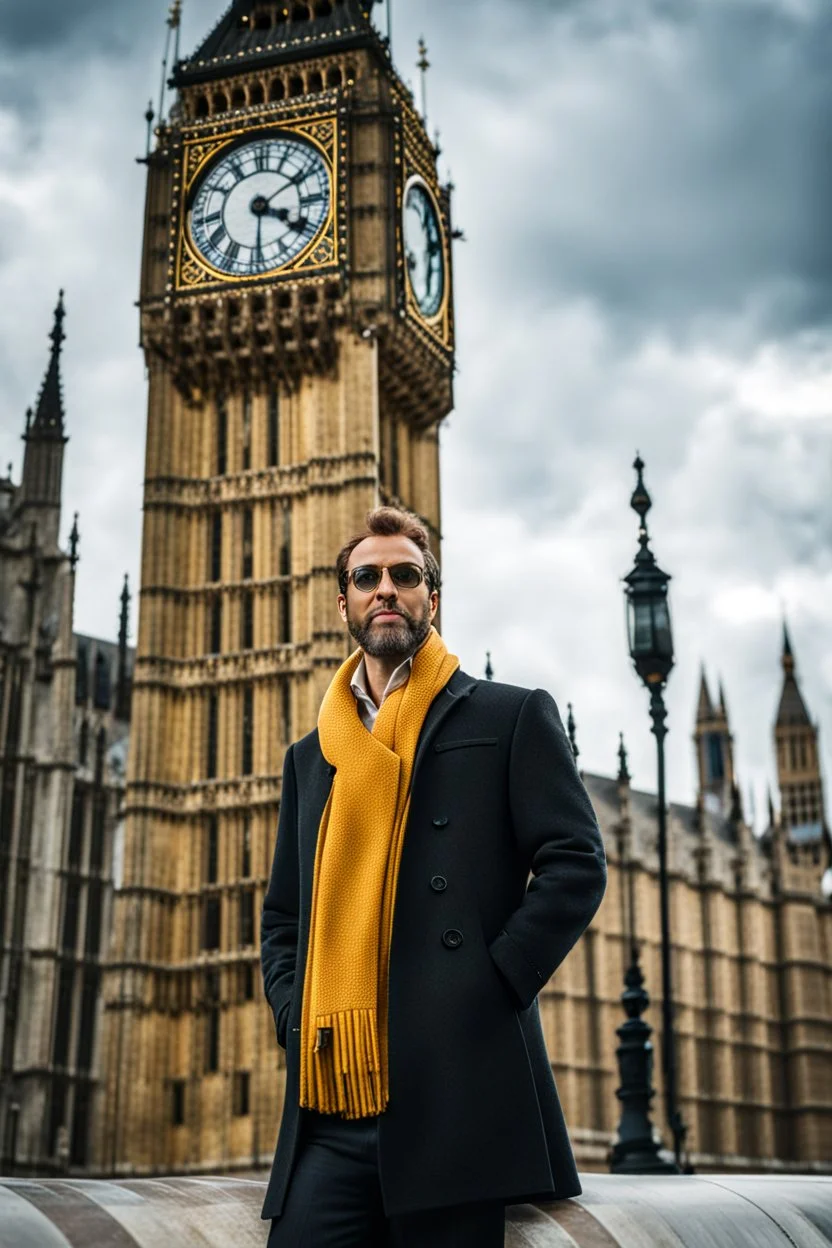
651	649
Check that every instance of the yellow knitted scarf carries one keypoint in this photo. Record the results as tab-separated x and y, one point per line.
343	1055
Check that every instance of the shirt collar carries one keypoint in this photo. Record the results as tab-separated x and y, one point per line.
358	684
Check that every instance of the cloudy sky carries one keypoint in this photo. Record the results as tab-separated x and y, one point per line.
644	187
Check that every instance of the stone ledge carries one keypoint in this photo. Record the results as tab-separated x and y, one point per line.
613	1212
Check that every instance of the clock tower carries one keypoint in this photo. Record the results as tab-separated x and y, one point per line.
297	324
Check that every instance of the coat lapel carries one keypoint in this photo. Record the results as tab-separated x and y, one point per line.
458	688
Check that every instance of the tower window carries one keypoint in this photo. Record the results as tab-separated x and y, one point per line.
99	819
242	1084
394	456
76	829
211	923
102	688
334	78
248	730
83	743
247	982
248	544
69	934
286	700
81	675
220	102
255	93
177	1102
300	13
247	917
245	854
100	748
211	849
247	629
274	429
277	90
92	935
316	82
212	1021
216	546
211	760
215	637
263	20
238	98
246	431
222	437
716	764
202	109
296	85
323	9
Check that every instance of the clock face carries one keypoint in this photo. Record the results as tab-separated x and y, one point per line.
260	205
424	254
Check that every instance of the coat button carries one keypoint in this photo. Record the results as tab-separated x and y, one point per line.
452	938
441	821
438	883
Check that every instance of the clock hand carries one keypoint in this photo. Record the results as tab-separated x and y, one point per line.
293	181
258	245
282	214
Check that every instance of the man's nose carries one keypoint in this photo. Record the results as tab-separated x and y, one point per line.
386	586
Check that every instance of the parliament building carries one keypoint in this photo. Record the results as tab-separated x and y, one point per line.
297	323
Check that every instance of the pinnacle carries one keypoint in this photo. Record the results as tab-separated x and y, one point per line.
48	421
705	707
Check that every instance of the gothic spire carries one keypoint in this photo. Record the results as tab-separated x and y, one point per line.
123	685
48	421
705	707
792	708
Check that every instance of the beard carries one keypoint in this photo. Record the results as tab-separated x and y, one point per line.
392	640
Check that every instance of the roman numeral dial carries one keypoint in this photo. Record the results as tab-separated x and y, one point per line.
260	205
423	248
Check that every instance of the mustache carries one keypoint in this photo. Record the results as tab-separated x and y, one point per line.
389	611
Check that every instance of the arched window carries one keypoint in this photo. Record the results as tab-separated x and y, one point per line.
300	13
316	82
334	78
296	85
82	681
83	742
323	9
202	108
255	93
238	98
103	684
277	90
220	102
100	748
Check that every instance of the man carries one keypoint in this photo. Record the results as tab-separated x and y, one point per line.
402	951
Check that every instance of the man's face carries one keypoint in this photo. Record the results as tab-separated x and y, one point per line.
389	621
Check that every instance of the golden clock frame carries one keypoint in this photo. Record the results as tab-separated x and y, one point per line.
321	254
414	161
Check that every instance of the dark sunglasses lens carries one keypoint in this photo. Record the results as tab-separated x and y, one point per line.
366	579
406	575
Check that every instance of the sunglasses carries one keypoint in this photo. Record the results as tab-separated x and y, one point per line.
403	575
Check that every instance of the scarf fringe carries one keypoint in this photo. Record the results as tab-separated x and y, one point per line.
343	1077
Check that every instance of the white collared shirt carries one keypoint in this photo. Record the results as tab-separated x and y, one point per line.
367	708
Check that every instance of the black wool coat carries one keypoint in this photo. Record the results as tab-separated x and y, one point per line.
473	1111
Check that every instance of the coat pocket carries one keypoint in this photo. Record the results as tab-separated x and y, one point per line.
463	744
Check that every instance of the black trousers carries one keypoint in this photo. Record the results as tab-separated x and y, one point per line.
334	1199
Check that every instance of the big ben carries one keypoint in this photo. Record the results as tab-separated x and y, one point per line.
297	323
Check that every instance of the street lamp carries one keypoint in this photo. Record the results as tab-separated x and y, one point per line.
651	649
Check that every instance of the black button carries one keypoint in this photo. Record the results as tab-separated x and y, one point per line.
438	883
441	821
452	938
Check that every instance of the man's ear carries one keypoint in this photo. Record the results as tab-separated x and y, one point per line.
434	603
342	607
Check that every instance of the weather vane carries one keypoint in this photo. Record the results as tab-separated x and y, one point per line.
423	64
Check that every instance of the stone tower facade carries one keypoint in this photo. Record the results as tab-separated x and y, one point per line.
297	323
60	786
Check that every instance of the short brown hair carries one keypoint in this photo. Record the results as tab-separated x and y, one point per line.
392	522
